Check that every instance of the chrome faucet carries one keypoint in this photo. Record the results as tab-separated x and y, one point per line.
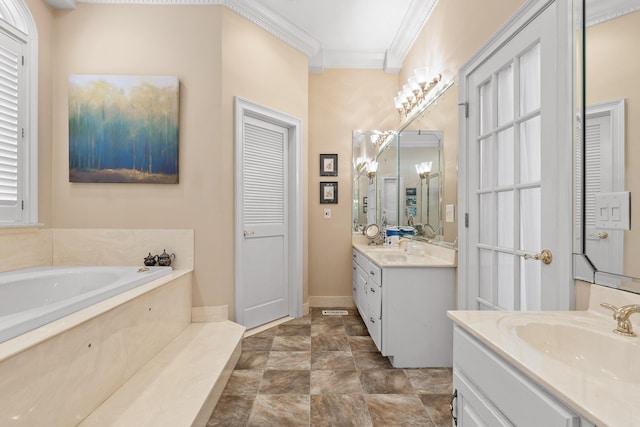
621	315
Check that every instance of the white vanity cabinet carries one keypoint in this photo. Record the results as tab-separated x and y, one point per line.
488	391
405	310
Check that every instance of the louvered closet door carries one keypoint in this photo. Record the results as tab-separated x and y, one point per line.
10	149
264	193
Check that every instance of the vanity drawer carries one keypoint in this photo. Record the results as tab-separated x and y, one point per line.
516	397
374	273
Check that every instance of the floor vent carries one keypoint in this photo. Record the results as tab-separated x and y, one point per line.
335	312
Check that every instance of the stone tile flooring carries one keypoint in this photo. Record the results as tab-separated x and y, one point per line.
326	371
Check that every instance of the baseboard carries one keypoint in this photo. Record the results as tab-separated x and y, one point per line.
258	329
305	309
212	313
329	301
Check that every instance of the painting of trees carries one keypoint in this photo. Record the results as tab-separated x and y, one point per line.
123	129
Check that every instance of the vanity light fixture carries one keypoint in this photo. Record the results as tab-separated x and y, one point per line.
415	92
423	169
372	167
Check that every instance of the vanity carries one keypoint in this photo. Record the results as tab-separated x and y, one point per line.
403	299
546	368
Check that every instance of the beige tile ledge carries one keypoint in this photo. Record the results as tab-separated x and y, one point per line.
32	338
181	385
603	402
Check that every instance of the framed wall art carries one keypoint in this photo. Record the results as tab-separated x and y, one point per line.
123	129
328	165
328	192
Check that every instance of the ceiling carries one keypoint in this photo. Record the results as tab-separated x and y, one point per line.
332	33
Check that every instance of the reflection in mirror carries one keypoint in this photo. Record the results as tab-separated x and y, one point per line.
609	234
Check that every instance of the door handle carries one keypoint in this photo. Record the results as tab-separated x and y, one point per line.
248	233
602	234
545	256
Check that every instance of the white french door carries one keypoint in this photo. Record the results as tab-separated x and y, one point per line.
516	252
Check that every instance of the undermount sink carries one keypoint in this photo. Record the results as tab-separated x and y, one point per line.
596	351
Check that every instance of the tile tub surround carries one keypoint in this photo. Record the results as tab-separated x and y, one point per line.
326	371
34	247
57	374
603	401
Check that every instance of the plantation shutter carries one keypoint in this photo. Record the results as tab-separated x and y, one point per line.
10	130
592	169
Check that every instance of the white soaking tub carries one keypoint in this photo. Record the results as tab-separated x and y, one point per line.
33	297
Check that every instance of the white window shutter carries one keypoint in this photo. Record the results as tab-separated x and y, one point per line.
10	130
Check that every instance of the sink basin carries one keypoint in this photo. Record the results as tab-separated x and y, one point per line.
595	351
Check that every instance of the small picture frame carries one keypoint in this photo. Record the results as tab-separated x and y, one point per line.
328	192
328	165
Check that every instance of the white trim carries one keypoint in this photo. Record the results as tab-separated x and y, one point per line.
331	301
390	60
600	11
412	24
564	132
247	108
20	24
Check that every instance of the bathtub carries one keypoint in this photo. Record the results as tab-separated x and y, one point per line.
33	297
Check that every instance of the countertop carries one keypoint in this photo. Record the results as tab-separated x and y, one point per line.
384	257
611	399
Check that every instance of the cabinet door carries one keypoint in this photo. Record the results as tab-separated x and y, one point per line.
471	409
361	286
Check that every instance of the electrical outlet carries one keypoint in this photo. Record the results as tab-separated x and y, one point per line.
450	213
327	213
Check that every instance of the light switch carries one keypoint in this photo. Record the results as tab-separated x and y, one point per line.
450	213
612	211
327	213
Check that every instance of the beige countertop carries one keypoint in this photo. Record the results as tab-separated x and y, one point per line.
434	256
597	377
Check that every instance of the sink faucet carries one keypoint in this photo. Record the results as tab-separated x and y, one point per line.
621	315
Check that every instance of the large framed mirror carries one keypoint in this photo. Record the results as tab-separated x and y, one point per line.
607	155
399	175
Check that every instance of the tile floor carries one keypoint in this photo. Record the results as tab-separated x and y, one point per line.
326	371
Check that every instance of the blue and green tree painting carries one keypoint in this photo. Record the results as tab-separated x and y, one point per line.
123	129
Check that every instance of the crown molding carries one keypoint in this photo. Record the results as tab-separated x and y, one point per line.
603	11
417	15
263	17
319	59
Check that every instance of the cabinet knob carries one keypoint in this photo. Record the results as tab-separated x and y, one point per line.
372	273
371	320
373	290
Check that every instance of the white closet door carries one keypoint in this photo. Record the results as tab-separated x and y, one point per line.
264	212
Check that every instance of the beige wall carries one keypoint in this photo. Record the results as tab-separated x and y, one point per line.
215	54
612	73
340	101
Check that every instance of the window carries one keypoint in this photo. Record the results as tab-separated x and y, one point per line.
18	115
11	153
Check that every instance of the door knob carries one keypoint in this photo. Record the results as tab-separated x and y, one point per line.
545	256
601	234
248	233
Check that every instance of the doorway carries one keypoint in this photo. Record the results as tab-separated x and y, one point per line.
268	219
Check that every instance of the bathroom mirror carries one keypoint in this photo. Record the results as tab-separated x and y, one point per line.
607	188
398	176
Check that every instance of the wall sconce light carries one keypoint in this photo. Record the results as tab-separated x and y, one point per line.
423	169
372	167
414	93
